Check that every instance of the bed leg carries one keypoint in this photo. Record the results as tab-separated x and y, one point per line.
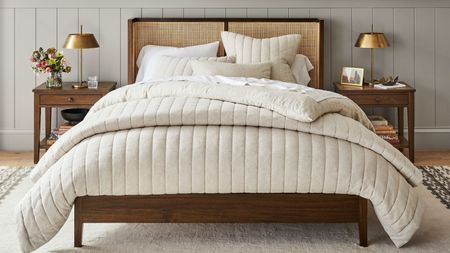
78	226
362	222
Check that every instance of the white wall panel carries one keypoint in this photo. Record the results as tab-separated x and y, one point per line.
361	22
341	37
173	13
442	67
424	68
214	13
109	40
383	21
68	23
236	13
25	39
257	13
279	13
125	14
194	13
302	13
90	18
6	69
152	13
325	14
403	44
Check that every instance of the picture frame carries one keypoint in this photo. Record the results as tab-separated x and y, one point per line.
352	76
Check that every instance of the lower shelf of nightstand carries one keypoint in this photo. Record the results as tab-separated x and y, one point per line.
43	144
402	144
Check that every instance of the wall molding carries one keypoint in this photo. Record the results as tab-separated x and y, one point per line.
223	4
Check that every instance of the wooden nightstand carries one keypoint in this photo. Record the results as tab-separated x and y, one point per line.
65	97
400	98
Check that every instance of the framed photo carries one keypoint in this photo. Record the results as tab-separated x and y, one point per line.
352	76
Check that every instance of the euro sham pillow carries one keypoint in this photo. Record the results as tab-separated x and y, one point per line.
170	66
251	50
204	68
147	56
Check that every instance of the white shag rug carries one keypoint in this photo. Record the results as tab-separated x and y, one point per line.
433	236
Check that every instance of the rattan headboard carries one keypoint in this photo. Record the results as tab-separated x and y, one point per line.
188	32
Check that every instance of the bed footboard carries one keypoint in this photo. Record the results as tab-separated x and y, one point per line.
222	208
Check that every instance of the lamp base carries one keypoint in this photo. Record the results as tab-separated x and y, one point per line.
81	85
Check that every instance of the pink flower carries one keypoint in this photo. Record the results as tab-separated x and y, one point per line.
43	64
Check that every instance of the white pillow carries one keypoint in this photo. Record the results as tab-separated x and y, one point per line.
146	59
170	66
300	69
250	50
204	68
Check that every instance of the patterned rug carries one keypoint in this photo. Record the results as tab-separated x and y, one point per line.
437	180
10	176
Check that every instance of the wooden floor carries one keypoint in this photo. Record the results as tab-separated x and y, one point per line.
422	158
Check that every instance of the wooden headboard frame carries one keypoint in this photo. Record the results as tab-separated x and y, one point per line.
188	32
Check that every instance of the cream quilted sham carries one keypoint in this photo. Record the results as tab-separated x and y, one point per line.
190	136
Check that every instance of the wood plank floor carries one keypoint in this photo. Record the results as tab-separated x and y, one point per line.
422	158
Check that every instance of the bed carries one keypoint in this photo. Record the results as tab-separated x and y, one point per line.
377	171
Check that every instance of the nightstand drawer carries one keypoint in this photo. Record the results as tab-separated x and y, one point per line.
69	99
373	99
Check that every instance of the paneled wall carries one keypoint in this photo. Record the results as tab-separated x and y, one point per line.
418	33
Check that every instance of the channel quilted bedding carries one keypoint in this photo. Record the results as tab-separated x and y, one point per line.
218	135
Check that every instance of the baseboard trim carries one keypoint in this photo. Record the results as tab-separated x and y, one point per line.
429	139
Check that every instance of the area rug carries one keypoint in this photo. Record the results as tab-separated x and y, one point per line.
437	180
10	176
432	236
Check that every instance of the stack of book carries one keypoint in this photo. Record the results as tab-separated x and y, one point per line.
384	129
58	132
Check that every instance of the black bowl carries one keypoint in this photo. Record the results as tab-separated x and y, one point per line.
75	115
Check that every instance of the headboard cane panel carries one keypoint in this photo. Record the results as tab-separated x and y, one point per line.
188	32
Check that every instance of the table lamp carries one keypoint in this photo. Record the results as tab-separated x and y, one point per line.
81	41
371	40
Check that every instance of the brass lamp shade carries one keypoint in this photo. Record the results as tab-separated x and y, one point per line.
372	40
81	40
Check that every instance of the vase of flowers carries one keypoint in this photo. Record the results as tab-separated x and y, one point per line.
52	62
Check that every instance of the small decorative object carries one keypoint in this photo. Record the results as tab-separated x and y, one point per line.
52	62
371	40
74	116
352	76
80	41
92	82
389	80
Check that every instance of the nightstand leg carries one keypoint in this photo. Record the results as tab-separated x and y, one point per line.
48	121
400	121
37	128
411	122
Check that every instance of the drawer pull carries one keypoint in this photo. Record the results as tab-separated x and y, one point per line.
69	99
377	99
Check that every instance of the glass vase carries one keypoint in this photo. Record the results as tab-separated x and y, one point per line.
54	80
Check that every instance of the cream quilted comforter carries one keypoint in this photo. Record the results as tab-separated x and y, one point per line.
218	135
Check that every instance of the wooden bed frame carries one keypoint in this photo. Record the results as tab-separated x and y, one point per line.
223	208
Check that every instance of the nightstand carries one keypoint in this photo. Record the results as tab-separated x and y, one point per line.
400	98
64	97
